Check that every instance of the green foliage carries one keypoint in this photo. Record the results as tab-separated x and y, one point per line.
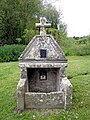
83	49
63	27
78	47
69	45
58	35
10	52
28	35
15	16
19	40
83	40
51	14
20	15
78	66
79	50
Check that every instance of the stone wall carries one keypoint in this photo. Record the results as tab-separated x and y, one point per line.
44	100
58	99
34	90
47	85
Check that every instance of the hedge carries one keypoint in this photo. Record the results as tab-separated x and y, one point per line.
10	52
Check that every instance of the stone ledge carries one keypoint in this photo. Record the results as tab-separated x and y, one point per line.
43	65
44	100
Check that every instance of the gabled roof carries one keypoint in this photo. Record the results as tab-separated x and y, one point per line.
32	51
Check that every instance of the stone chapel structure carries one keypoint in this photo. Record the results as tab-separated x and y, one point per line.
43	82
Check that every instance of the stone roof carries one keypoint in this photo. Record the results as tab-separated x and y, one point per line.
47	42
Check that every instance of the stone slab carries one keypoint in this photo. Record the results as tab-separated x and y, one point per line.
42	65
44	100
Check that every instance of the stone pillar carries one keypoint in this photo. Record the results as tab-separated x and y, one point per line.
60	75
58	80
66	87
24	76
21	89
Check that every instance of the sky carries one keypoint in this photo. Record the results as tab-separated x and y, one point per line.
76	14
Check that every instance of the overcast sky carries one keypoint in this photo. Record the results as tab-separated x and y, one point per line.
76	14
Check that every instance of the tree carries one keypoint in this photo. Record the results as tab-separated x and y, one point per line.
15	16
55	17
20	15
63	27
51	14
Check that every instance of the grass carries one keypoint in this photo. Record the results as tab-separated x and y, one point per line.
78	71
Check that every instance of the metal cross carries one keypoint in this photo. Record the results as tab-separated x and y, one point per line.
42	25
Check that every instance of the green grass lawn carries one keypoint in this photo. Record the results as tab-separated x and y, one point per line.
78	71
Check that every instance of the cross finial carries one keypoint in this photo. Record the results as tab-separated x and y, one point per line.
43	24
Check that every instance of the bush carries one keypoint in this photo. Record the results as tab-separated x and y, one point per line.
10	52
69	45
27	36
58	35
79	50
